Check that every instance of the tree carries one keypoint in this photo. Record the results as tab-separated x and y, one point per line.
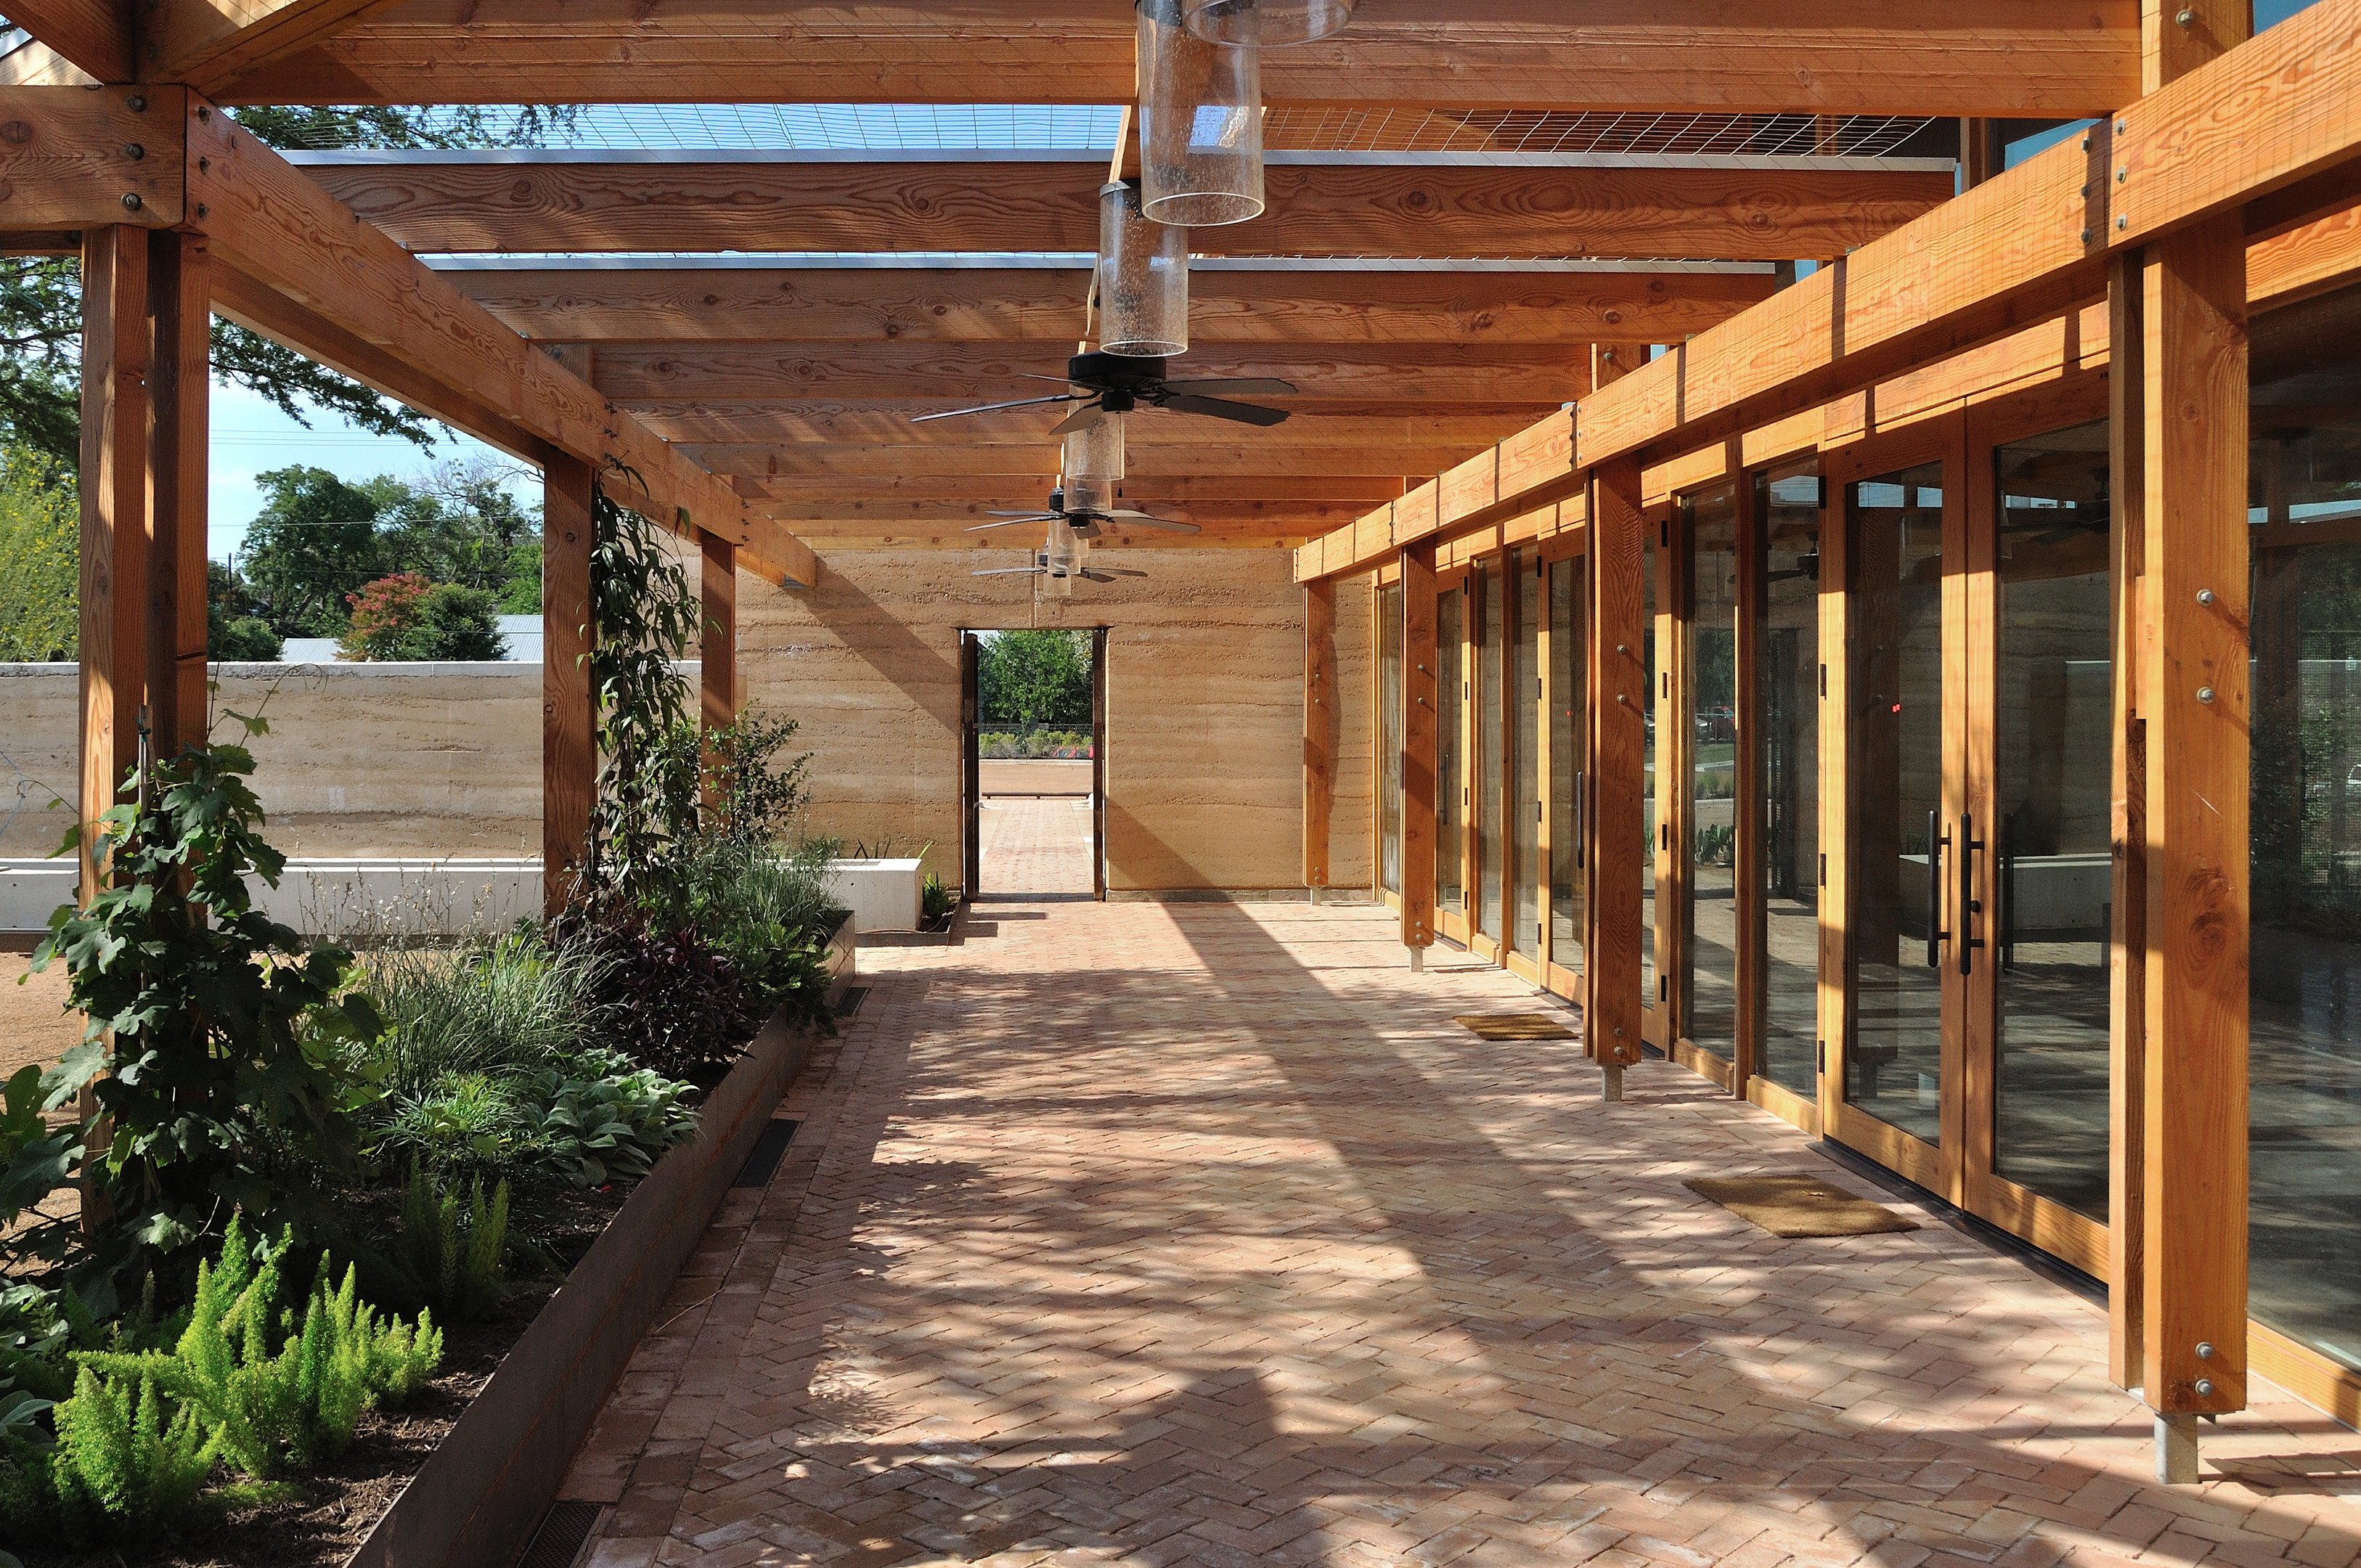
313	546
406	616
383	614
41	551
1035	677
458	524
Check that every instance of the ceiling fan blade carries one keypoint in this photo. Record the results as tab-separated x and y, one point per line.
1244	413
1141	520
995	408
1011	572
1029	516
1082	418
1009	523
1252	385
1068	380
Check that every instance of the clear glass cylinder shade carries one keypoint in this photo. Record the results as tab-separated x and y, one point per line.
1093	465
1199	123
1143	278
1266	22
1065	550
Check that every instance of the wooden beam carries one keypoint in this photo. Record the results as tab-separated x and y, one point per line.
887	419
1261	452
272	224
851	513
785	496
209	44
72	158
1760	210
96	35
569	742
1618	737
2039	236
714	304
179	387
1417	729
2012	58
115	556
956	374
1320	722
720	684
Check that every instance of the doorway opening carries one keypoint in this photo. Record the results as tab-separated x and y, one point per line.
1034	754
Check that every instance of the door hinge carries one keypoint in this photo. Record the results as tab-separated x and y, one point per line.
1824	1059
1663	987
1824	680
1824	870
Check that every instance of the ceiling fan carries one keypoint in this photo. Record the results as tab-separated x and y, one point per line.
1116	383
1084	521
1044	566
1066	556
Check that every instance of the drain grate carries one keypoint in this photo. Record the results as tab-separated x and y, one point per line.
849	1003
565	1530
762	1161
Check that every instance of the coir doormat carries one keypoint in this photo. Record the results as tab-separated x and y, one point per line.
1800	1206
1516	1026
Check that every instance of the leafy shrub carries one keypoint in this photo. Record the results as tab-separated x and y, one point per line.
383	613
406	615
610	1129
670	1001
121	1472
249	639
454	1251
935	899
503	1007
752	796
468	1121
40	554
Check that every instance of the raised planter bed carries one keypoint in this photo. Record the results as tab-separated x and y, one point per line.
477	1500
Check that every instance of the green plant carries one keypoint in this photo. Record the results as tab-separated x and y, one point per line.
935	899
501	1007
467	1121
455	1250
753	797
210	1076
612	1127
40	552
121	1471
1715	843
248	638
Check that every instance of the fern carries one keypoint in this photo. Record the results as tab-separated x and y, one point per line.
459	1266
121	1471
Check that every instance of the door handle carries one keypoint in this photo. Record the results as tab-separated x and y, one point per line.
1580	821
1936	936
1970	906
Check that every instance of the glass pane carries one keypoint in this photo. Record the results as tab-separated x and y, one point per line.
2054	724
1790	739
1449	787
1709	990
1524	706
2305	824
1488	751
1389	776
1894	1060
1648	770
1570	659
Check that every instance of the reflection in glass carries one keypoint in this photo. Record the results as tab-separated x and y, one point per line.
1648	771
1449	824
1709	1013
1895	1055
1570	669
1788	736
1524	706
2054	764
2304	522
1488	752
1390	775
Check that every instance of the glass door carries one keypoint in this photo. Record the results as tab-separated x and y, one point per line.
1569	673
1450	776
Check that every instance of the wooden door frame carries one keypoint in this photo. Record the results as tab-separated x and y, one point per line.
1098	763
971	772
1452	924
1655	532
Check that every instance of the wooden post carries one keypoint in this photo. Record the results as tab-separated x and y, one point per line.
2127	873
1319	729
718	651
569	742
115	565
1980	154
180	321
1617	715
1417	692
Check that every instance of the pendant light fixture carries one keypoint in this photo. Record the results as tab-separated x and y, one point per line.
1200	122
1265	22
1143	278
1093	465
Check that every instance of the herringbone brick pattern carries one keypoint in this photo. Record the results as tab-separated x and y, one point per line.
1153	1234
1033	846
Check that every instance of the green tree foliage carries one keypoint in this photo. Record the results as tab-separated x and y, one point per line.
1035	677
40	555
406	616
313	546
233	629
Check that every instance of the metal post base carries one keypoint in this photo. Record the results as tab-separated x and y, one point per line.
1611	1080
1418	961
2176	1450
1315	895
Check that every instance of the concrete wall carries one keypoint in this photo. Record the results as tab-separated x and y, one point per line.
1204	720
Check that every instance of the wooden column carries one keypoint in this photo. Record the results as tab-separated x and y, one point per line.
1417	692
180	321
2127	832
569	744
115	605
1980	154
1319	728
1617	743
718	650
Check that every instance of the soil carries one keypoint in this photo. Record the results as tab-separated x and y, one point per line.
35	1027
341	1502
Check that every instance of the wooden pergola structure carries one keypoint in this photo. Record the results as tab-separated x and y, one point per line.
1508	358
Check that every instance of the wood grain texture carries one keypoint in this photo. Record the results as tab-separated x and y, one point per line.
432	204
1002	491
179	398
269	222
717	684
1417	729
115	566
569	749
2194	1147
2127	836
209	44
96	35
1320	728
1618	737
69	159
1313	422
2011	58
1014	465
1039	304
1747	783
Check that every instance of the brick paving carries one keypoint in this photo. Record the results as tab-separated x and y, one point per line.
1030	846
1139	1233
